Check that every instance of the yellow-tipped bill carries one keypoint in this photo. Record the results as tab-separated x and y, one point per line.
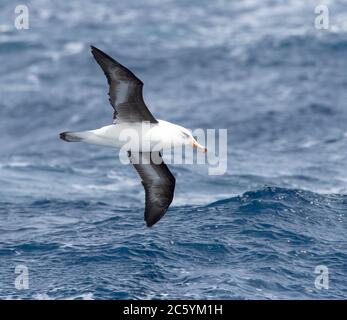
199	146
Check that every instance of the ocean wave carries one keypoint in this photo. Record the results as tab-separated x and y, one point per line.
269	239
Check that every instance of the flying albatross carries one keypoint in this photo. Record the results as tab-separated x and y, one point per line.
131	112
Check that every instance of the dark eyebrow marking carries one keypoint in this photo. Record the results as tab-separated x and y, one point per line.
185	134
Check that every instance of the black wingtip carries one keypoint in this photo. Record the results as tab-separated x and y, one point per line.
153	217
94	48
99	53
104	60
150	222
95	51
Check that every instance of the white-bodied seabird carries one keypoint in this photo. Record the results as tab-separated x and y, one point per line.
130	112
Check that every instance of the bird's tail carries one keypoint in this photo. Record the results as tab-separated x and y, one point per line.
89	136
72	136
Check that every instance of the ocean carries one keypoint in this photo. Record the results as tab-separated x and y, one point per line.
71	215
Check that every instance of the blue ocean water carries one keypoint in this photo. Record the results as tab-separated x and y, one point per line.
73	214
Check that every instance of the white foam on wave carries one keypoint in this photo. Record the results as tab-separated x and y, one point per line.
5	28
15	164
42	296
97	187
72	48
199	199
83	296
69	49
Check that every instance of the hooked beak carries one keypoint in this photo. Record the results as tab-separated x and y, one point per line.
199	146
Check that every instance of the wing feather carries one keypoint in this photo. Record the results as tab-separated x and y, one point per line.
158	182
125	89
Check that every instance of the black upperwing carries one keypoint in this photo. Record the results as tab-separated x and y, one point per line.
125	90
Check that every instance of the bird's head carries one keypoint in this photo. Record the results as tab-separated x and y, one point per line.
188	139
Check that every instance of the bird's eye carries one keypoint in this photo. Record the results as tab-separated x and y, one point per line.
185	135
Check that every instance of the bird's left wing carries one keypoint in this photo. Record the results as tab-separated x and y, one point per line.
158	181
125	90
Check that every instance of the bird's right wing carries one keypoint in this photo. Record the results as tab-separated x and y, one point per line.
158	181
125	90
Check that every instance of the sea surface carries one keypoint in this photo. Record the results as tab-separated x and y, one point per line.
71	215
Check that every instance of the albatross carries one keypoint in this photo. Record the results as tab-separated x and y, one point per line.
131	112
